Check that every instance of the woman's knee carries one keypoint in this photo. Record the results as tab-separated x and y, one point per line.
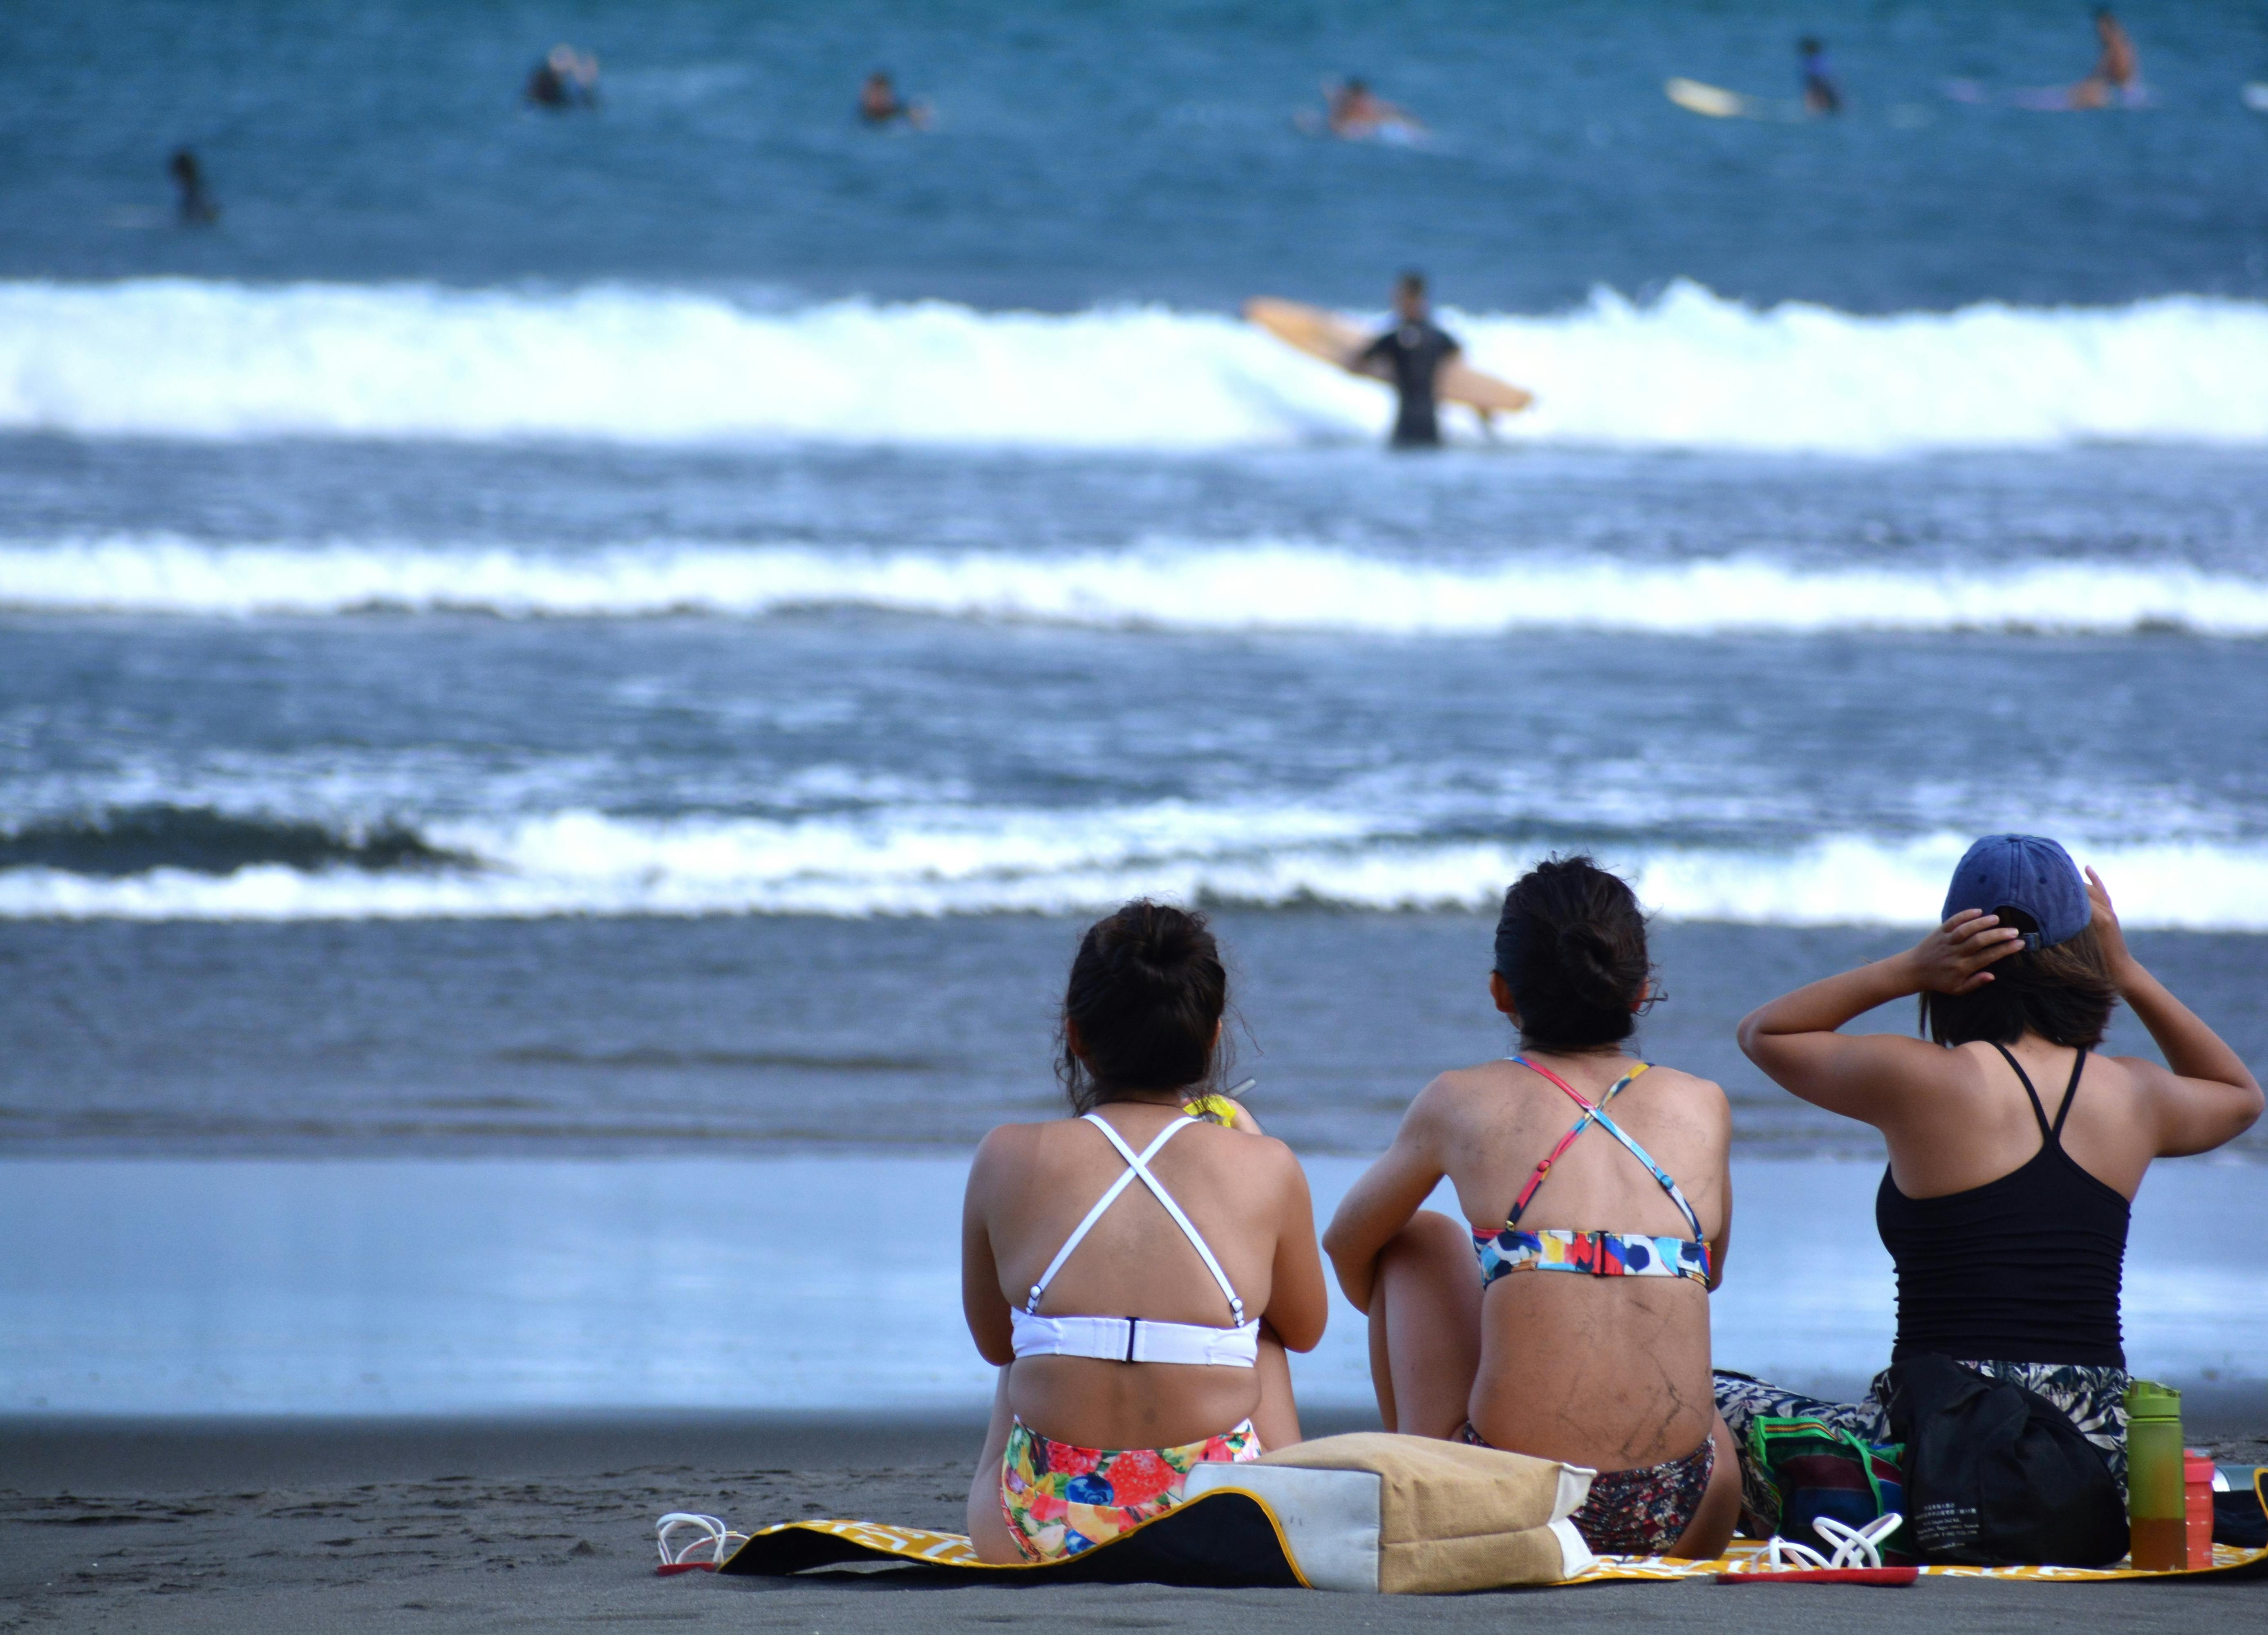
1430	1239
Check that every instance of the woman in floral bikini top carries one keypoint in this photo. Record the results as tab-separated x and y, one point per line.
1608	1367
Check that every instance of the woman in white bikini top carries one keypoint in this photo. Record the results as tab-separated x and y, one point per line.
1138	1271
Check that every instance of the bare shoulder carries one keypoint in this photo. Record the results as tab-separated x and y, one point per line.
1452	1093
1006	1148
1702	1097
1253	1153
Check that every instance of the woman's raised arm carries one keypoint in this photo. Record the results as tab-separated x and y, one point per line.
1793	1038
2209	1096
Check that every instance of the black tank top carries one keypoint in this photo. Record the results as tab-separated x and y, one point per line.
2024	1268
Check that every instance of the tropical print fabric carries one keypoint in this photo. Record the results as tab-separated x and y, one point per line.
2092	1396
1060	1499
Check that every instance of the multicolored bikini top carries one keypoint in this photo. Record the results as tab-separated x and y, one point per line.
1600	1254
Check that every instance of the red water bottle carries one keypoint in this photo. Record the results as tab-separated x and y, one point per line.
2196	1508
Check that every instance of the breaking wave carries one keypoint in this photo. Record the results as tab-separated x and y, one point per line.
180	357
934	860
1251	585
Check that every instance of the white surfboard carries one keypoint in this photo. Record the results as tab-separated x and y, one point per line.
1711	101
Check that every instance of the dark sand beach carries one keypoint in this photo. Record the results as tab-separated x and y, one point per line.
192	1525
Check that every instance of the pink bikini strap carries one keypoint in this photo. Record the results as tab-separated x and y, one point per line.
1590	1111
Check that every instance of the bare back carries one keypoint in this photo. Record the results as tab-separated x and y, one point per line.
1029	1189
1612	1372
1973	1123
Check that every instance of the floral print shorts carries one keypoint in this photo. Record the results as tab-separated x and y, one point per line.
1060	1499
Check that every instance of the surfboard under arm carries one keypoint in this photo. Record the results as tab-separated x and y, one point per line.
1335	341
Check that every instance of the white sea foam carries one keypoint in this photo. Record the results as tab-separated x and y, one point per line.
1235	585
188	358
973	860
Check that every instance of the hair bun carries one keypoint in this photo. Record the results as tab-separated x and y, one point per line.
1571	944
1144	1003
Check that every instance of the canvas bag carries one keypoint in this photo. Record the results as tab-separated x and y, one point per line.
1440	1517
1820	1470
1997	1475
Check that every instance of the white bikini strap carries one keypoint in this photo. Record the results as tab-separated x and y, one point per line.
1140	1166
1137	1164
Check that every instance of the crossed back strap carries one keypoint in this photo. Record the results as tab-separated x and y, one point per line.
1137	1163
1597	1110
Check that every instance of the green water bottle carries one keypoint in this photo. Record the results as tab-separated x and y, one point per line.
2155	1497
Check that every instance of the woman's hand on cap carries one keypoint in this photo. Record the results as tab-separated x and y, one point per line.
2108	931
1952	959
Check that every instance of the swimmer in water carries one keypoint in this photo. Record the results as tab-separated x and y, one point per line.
880	104
1821	95
1358	113
565	78
1412	353
197	209
2117	72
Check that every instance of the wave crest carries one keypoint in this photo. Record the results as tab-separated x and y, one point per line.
1249	585
984	860
182	357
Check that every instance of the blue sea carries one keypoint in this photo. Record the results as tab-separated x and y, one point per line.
561	667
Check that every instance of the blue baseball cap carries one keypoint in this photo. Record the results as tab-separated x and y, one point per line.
2026	871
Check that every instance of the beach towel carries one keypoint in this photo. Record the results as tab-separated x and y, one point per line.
1371	1513
1281	1526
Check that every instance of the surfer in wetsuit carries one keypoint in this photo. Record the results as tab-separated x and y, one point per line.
1414	351
1821	94
197	209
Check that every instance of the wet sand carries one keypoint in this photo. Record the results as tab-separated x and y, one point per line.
195	1525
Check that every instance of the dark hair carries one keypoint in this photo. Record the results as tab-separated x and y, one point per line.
1412	282
1571	945
2064	993
1147	990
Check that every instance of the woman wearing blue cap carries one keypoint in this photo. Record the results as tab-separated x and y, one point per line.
2015	1152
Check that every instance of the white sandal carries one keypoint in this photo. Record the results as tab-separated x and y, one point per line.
710	1535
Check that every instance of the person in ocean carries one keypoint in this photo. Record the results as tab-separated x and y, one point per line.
880	104
1411	354
1138	1269
1597	1203
195	207
2118	72
565	78
1358	113
2014	1150
1821	96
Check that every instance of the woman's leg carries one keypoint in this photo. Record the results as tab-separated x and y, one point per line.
1705	1535
1278	1417
1425	1326
988	1529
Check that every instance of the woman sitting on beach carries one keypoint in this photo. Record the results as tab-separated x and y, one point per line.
2014	1153
1609	1369
1198	1239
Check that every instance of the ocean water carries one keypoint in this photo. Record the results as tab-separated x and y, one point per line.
542	638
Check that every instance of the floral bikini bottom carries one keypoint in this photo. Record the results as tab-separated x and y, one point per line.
1636	1513
1060	1499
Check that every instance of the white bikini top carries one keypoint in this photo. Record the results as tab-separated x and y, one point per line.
1136	1339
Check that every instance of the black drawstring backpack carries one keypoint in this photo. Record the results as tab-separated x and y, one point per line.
1997	1476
